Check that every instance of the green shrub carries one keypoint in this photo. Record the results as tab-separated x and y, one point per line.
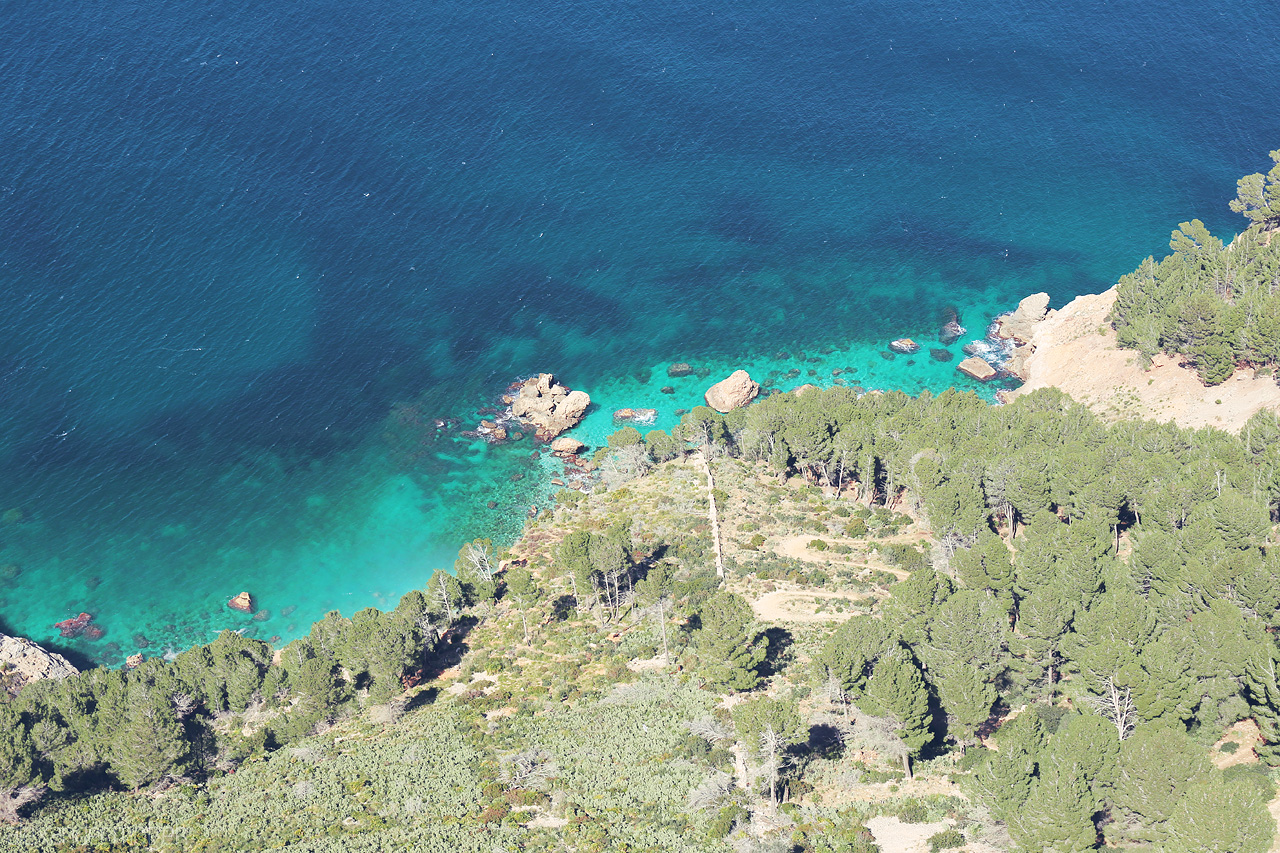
856	528
913	811
628	436
755	543
1229	747
948	839
817	545
726	820
974	756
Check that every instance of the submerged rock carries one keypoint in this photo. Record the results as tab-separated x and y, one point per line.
941	354
732	393
679	369
635	416
74	627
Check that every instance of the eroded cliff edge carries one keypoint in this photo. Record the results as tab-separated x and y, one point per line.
1074	349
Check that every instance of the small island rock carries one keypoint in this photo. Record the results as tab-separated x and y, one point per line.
976	368
951	332
906	346
636	416
550	407
732	393
242	602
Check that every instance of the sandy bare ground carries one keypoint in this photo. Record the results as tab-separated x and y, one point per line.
797	548
894	836
1076	351
786	605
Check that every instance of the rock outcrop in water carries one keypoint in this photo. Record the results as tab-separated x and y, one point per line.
976	368
732	393
242	602
22	661
548	406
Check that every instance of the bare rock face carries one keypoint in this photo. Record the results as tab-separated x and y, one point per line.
1017	363
732	393
1020	325
548	406
22	661
976	368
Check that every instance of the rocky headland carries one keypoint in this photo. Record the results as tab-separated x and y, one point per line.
1075	350
22	661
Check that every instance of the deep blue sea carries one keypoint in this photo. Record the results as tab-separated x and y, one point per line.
251	252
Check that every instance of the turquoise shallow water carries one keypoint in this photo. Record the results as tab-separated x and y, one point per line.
248	255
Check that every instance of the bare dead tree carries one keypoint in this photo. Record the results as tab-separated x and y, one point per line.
1116	704
12	801
711	793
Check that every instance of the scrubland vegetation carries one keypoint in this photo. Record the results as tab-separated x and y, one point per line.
1004	626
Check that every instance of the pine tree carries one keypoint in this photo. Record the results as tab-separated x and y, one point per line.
897	690
766	727
1003	784
1058	815
522	588
729	643
1155	766
150	745
1219	816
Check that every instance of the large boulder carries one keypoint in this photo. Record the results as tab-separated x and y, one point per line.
1021	322
22	661
951	332
976	368
567	446
732	393
548	406
906	346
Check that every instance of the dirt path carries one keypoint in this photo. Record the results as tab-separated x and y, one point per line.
793	605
